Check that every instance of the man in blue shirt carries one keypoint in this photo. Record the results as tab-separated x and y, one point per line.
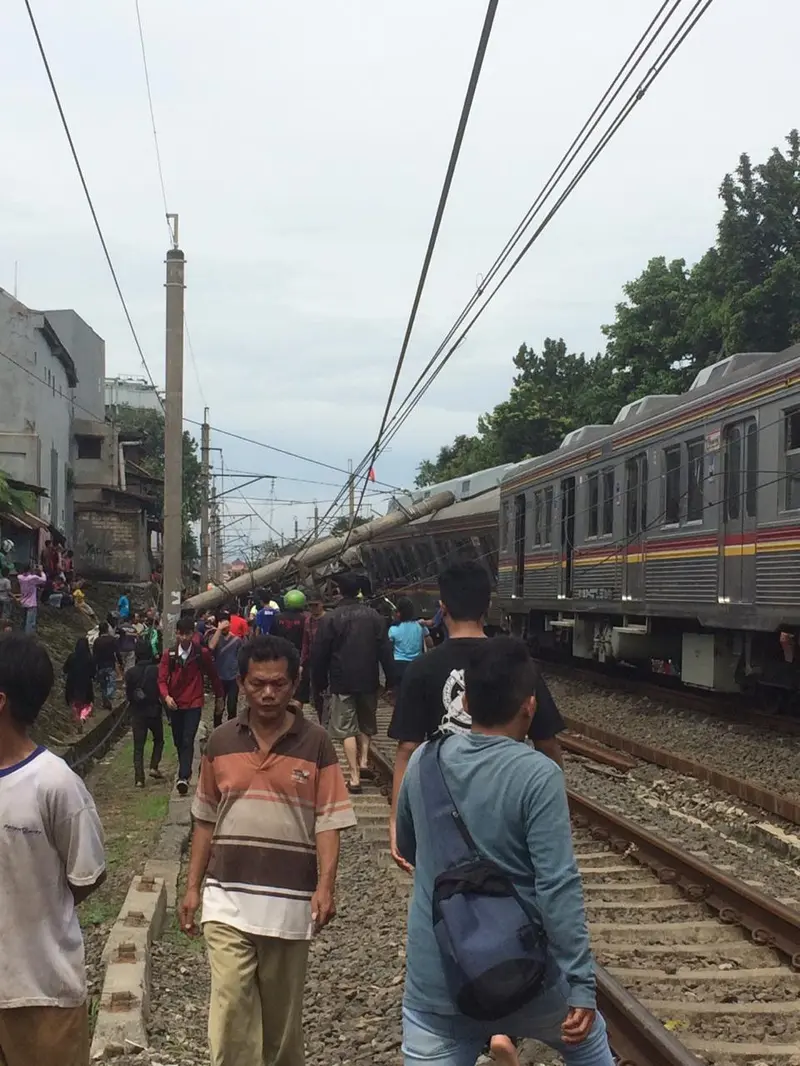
265	618
512	800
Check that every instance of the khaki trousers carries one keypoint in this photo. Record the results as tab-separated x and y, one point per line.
44	1036
256	1012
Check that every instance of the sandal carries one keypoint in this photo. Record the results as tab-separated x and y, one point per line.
354	790
367	774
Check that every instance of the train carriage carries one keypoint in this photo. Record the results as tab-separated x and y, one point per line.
673	535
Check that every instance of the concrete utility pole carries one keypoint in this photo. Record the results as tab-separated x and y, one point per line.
316	520
173	438
205	540
352	486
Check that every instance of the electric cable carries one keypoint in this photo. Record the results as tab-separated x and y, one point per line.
89	200
466	110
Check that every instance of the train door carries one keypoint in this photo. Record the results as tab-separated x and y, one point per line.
519	545
567	534
739	512
635	527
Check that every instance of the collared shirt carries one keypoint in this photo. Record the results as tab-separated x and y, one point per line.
266	810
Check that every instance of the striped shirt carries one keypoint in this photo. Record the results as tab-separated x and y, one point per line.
266	810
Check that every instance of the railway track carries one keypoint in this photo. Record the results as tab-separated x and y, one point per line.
693	965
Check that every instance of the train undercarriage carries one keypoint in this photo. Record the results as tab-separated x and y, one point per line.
764	664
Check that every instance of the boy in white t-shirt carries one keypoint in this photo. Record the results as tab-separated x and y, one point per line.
51	855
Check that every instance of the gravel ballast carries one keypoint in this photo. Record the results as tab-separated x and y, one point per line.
768	759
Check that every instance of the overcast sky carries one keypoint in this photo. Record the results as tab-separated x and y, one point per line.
304	146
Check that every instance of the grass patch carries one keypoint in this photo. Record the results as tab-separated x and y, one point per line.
132	820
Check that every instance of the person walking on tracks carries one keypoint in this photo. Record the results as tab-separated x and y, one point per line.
316	612
180	681
79	673
224	646
483	810
107	657
431	697
51	855
144	700
350	644
268	811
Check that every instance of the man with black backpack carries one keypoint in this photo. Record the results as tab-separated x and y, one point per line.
497	936
144	701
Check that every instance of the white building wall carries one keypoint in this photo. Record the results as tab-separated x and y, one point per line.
36	408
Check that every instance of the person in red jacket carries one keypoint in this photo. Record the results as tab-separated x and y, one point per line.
181	674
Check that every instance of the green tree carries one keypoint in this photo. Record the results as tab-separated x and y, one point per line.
148	427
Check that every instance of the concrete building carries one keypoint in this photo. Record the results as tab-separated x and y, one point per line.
55	438
38	385
131	392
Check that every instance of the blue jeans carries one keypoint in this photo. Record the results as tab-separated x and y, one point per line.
184	725
455	1040
30	619
107	680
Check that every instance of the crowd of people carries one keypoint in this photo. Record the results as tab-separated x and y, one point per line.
478	798
52	581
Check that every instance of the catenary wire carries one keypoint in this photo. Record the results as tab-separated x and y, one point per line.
669	50
483	43
146	68
88	196
688	23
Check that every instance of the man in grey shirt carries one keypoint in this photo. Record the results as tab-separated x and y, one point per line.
224	646
512	800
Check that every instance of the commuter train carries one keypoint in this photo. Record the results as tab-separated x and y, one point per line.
669	540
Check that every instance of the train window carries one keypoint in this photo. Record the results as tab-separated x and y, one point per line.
537	517
594	504
751	470
632	496
672	485
547	536
694	487
504	526
733	472
792	431
608	501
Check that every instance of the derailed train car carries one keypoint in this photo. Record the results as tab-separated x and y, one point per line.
672	537
406	561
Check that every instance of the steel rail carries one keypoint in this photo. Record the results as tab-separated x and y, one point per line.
757	795
637	1037
768	921
731	707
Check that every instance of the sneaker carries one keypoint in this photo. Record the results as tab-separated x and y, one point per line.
139	784
156	774
183	787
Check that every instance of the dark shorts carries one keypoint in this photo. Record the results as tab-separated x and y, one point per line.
354	714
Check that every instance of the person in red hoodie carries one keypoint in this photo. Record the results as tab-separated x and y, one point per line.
181	674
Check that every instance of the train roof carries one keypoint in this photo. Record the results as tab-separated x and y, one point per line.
463	488
721	377
476	507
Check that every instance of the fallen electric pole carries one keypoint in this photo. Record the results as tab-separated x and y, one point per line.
314	554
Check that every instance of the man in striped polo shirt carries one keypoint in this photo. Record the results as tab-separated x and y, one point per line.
270	803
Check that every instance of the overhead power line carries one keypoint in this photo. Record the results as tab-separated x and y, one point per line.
88	196
162	183
284	451
444	353
466	109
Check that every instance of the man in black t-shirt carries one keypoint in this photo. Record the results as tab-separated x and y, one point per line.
431	695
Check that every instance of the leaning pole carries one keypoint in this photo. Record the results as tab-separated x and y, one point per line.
319	552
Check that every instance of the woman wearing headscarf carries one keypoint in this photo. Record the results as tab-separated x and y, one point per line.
79	672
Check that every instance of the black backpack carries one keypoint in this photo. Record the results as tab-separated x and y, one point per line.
493	945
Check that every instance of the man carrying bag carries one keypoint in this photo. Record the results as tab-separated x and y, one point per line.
497	938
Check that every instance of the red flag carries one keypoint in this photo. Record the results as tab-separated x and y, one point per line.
371	474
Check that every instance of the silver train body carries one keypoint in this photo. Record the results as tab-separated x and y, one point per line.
670	539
